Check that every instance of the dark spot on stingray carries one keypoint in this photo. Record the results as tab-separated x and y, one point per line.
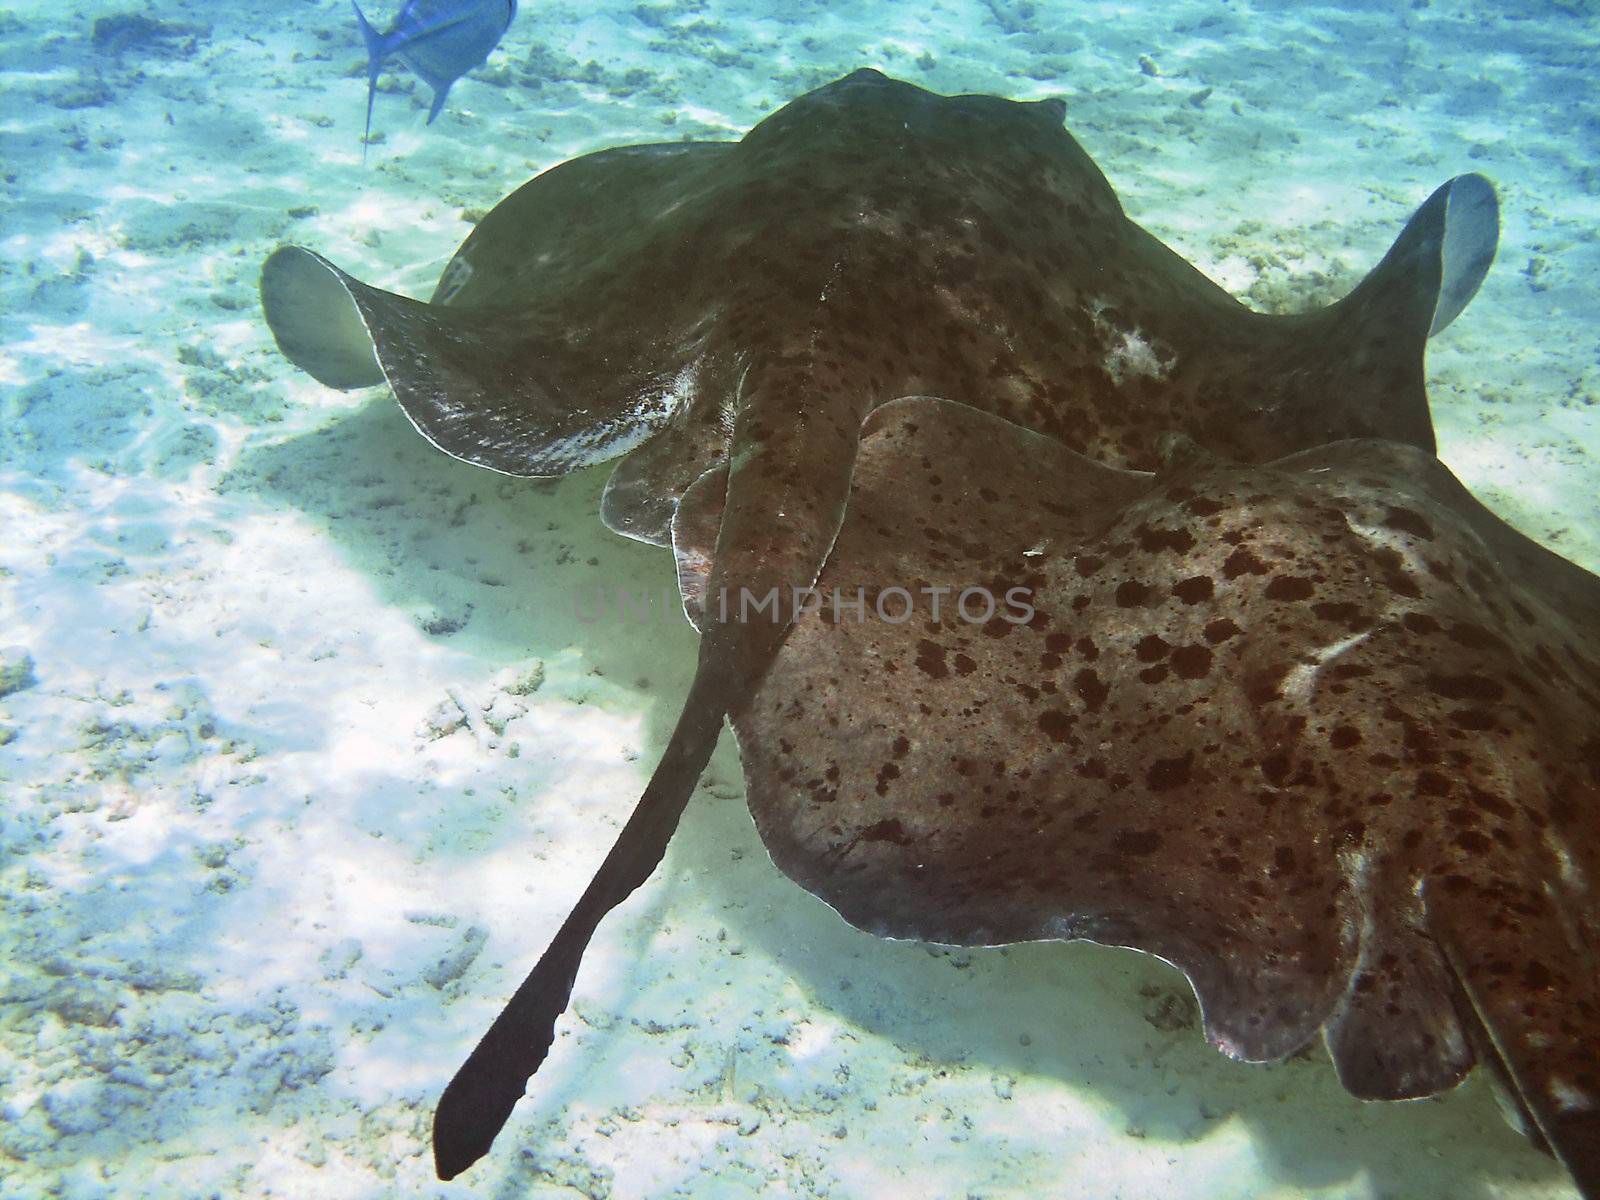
1476	720
1220	630
930	659
1290	587
1396	576
1056	724
997	626
1090	689
1131	594
900	748
889	830
1491	803
1261	687
1151	648
1154	541
1474	637
887	773
1243	562
1276	768
1195	589
1167	773
1342	737
1136	842
1431	783
1469	686
1192	661
1156	674
1588	756
1339	612
1409	521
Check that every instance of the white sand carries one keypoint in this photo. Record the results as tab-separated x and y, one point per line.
253	919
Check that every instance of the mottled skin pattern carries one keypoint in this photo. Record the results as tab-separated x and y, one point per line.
730	314
871	240
1325	734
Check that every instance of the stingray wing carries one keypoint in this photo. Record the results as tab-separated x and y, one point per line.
1305	730
551	343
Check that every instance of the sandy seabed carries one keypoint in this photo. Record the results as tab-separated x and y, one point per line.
305	754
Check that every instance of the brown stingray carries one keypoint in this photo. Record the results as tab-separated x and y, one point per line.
731	313
1322	733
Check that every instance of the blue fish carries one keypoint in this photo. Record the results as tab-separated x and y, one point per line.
441	40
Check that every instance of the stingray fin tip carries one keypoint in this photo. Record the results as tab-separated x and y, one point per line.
315	321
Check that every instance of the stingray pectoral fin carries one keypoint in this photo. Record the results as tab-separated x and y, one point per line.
315	320
479	1100
1471	235
1437	263
1533	996
1355	368
489	387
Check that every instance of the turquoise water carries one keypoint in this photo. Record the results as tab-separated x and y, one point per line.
279	829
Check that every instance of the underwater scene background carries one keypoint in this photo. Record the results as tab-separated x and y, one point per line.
305	750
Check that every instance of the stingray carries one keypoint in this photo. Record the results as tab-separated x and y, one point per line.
724	317
1323	733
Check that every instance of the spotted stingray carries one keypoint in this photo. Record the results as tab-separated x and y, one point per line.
891	343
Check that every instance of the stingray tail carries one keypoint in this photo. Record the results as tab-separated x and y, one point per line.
795	481
479	1100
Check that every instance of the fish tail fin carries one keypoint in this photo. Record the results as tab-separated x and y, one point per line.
377	51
